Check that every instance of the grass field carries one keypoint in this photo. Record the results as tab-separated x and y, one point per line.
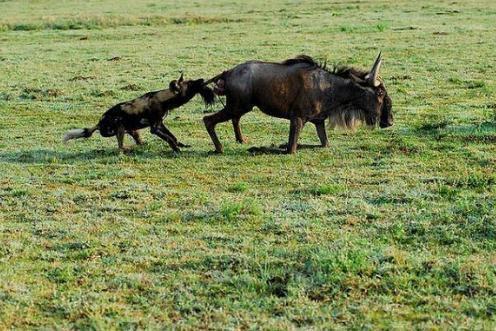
390	228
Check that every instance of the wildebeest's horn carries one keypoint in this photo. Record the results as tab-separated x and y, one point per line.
371	77
181	78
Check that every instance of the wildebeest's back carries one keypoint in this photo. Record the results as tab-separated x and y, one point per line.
277	89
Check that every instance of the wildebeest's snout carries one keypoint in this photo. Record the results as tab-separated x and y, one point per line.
386	119
384	125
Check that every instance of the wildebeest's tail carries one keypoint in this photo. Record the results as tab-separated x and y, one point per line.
215	79
80	133
207	95
219	81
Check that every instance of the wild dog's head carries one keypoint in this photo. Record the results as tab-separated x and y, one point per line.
189	88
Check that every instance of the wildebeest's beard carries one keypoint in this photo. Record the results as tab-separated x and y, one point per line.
358	106
347	116
374	105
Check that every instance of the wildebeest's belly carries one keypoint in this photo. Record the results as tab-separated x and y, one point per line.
273	102
309	109
274	111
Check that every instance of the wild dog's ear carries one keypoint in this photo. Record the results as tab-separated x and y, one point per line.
174	86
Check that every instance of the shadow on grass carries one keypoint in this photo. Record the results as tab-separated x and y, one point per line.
480	133
49	156
111	154
281	149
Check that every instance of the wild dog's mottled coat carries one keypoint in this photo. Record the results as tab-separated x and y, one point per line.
146	111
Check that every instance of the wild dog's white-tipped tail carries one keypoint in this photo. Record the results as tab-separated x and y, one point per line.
74	134
79	133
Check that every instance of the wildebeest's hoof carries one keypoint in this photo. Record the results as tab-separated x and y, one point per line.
216	152
179	144
242	140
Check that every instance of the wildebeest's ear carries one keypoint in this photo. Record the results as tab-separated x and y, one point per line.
174	86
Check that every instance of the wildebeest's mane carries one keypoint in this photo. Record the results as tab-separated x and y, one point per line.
341	71
346	72
301	59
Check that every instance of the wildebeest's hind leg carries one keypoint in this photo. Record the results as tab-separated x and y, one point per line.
136	136
295	127
167	131
158	129
211	121
321	132
237	130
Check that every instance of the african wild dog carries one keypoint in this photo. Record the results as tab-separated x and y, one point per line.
146	111
302	91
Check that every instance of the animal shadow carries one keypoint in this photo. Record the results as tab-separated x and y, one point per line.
50	156
281	149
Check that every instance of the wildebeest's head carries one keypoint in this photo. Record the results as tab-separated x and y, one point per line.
378	102
189	88
371	102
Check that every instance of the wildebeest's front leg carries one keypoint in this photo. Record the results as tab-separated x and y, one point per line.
321	132
158	129
295	127
211	121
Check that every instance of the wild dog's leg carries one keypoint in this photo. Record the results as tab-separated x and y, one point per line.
157	129
321	132
167	131
136	136
295	127
121	131
237	130
211	121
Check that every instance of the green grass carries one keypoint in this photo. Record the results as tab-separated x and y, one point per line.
391	229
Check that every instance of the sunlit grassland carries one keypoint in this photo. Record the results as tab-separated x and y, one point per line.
388	228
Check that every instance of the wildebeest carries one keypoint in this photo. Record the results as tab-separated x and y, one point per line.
302	91
148	110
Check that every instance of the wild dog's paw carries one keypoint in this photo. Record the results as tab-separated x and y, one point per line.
125	150
180	144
